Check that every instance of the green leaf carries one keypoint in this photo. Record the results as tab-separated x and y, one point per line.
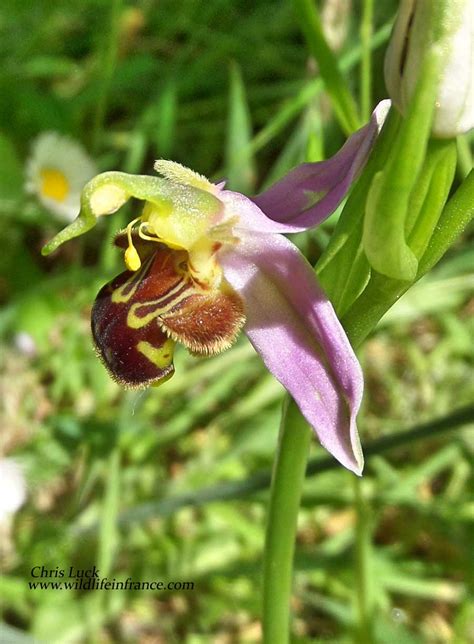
435	183
165	114
456	216
291	108
342	101
240	163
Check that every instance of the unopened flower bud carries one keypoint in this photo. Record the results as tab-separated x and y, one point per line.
444	28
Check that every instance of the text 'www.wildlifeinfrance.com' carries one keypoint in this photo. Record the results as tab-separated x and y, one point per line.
90	579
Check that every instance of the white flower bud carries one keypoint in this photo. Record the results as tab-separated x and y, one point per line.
422	26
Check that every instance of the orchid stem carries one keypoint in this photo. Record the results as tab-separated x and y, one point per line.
285	495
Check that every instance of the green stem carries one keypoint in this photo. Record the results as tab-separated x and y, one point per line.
287	482
290	461
109	59
366	59
379	295
363	558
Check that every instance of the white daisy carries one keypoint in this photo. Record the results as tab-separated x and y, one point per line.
56	173
12	487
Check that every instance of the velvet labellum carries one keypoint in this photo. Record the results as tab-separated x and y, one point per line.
138	317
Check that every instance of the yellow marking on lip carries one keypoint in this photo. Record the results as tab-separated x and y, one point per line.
136	322
161	357
120	295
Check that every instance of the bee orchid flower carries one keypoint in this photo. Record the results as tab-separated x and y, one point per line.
204	262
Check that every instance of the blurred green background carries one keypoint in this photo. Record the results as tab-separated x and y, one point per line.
171	483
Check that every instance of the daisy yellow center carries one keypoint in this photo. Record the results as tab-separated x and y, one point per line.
54	184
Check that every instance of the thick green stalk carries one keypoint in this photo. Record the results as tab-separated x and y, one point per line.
287	482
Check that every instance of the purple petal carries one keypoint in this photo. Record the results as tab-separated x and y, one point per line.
312	191
250	217
293	326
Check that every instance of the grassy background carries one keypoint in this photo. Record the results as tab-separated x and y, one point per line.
171	483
